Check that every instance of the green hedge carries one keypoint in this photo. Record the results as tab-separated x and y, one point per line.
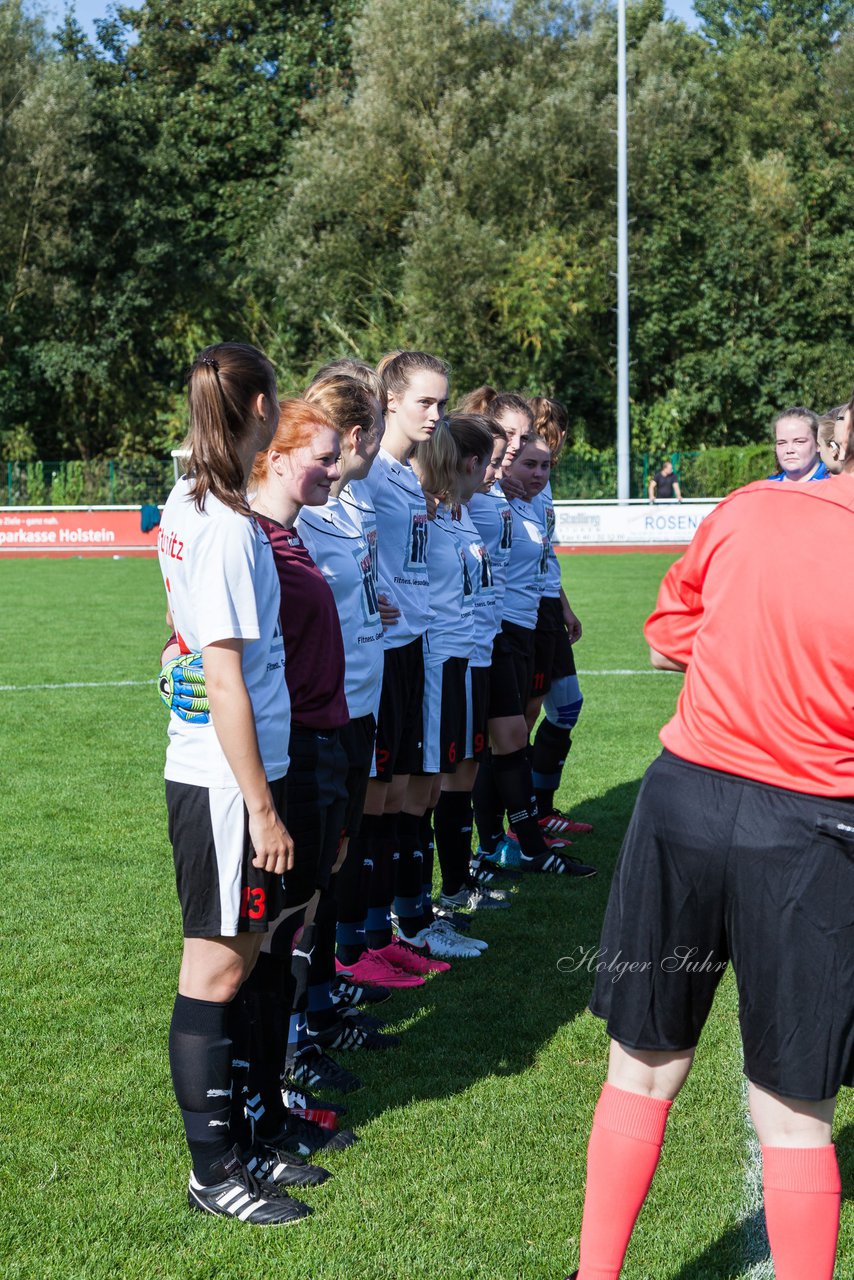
580	474
95	482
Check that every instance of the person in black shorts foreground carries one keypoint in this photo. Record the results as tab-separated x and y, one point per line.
740	850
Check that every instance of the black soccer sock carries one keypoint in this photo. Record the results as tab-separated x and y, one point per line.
200	1062
453	822
321	1011
551	747
488	806
239	1027
297	956
378	931
410	874
513	781
428	850
266	991
351	888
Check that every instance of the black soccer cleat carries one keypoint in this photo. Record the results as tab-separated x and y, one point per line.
305	1138
240	1195
283	1168
316	1070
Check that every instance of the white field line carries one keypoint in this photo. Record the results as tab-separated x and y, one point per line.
120	684
75	684
647	671
757	1258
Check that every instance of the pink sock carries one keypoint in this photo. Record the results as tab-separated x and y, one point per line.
625	1143
802	1197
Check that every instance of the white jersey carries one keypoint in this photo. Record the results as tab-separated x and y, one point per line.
528	568
493	519
339	548
451	630
544	506
479	565
221	583
402	538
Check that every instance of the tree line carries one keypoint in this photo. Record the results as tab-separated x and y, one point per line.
348	176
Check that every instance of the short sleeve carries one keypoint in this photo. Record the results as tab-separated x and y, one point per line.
222	586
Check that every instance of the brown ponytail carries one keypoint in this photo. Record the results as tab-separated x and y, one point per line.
396	369
551	422
222	386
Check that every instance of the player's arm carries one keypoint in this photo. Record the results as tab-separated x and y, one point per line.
234	723
651	488
662	663
572	621
677	491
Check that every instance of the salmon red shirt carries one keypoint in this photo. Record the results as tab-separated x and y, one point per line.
761	612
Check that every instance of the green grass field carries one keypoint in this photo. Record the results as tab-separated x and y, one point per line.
471	1164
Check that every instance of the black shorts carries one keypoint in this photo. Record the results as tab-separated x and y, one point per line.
357	739
399	725
477	710
716	868
317	802
444	716
220	892
553	656
511	672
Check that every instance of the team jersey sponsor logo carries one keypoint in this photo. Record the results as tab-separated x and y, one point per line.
544	556
468	585
371	539
505	541
485	578
418	532
370	602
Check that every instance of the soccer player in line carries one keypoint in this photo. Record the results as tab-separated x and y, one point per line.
555	686
416	387
741	850
508	786
225	773
452	465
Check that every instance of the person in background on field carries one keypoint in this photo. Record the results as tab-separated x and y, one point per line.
741	850
830	436
226	769
796	446
664	486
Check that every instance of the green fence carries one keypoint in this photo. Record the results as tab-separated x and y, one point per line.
93	483
706	473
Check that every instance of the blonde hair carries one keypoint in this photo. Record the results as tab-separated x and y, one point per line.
346	401
223	384
357	369
439	460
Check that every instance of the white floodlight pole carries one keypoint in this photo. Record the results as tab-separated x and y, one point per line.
623	459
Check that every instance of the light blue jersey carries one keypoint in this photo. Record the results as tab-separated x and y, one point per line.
528	569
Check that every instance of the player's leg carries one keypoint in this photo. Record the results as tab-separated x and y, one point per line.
667	904
623	1151
801	1182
